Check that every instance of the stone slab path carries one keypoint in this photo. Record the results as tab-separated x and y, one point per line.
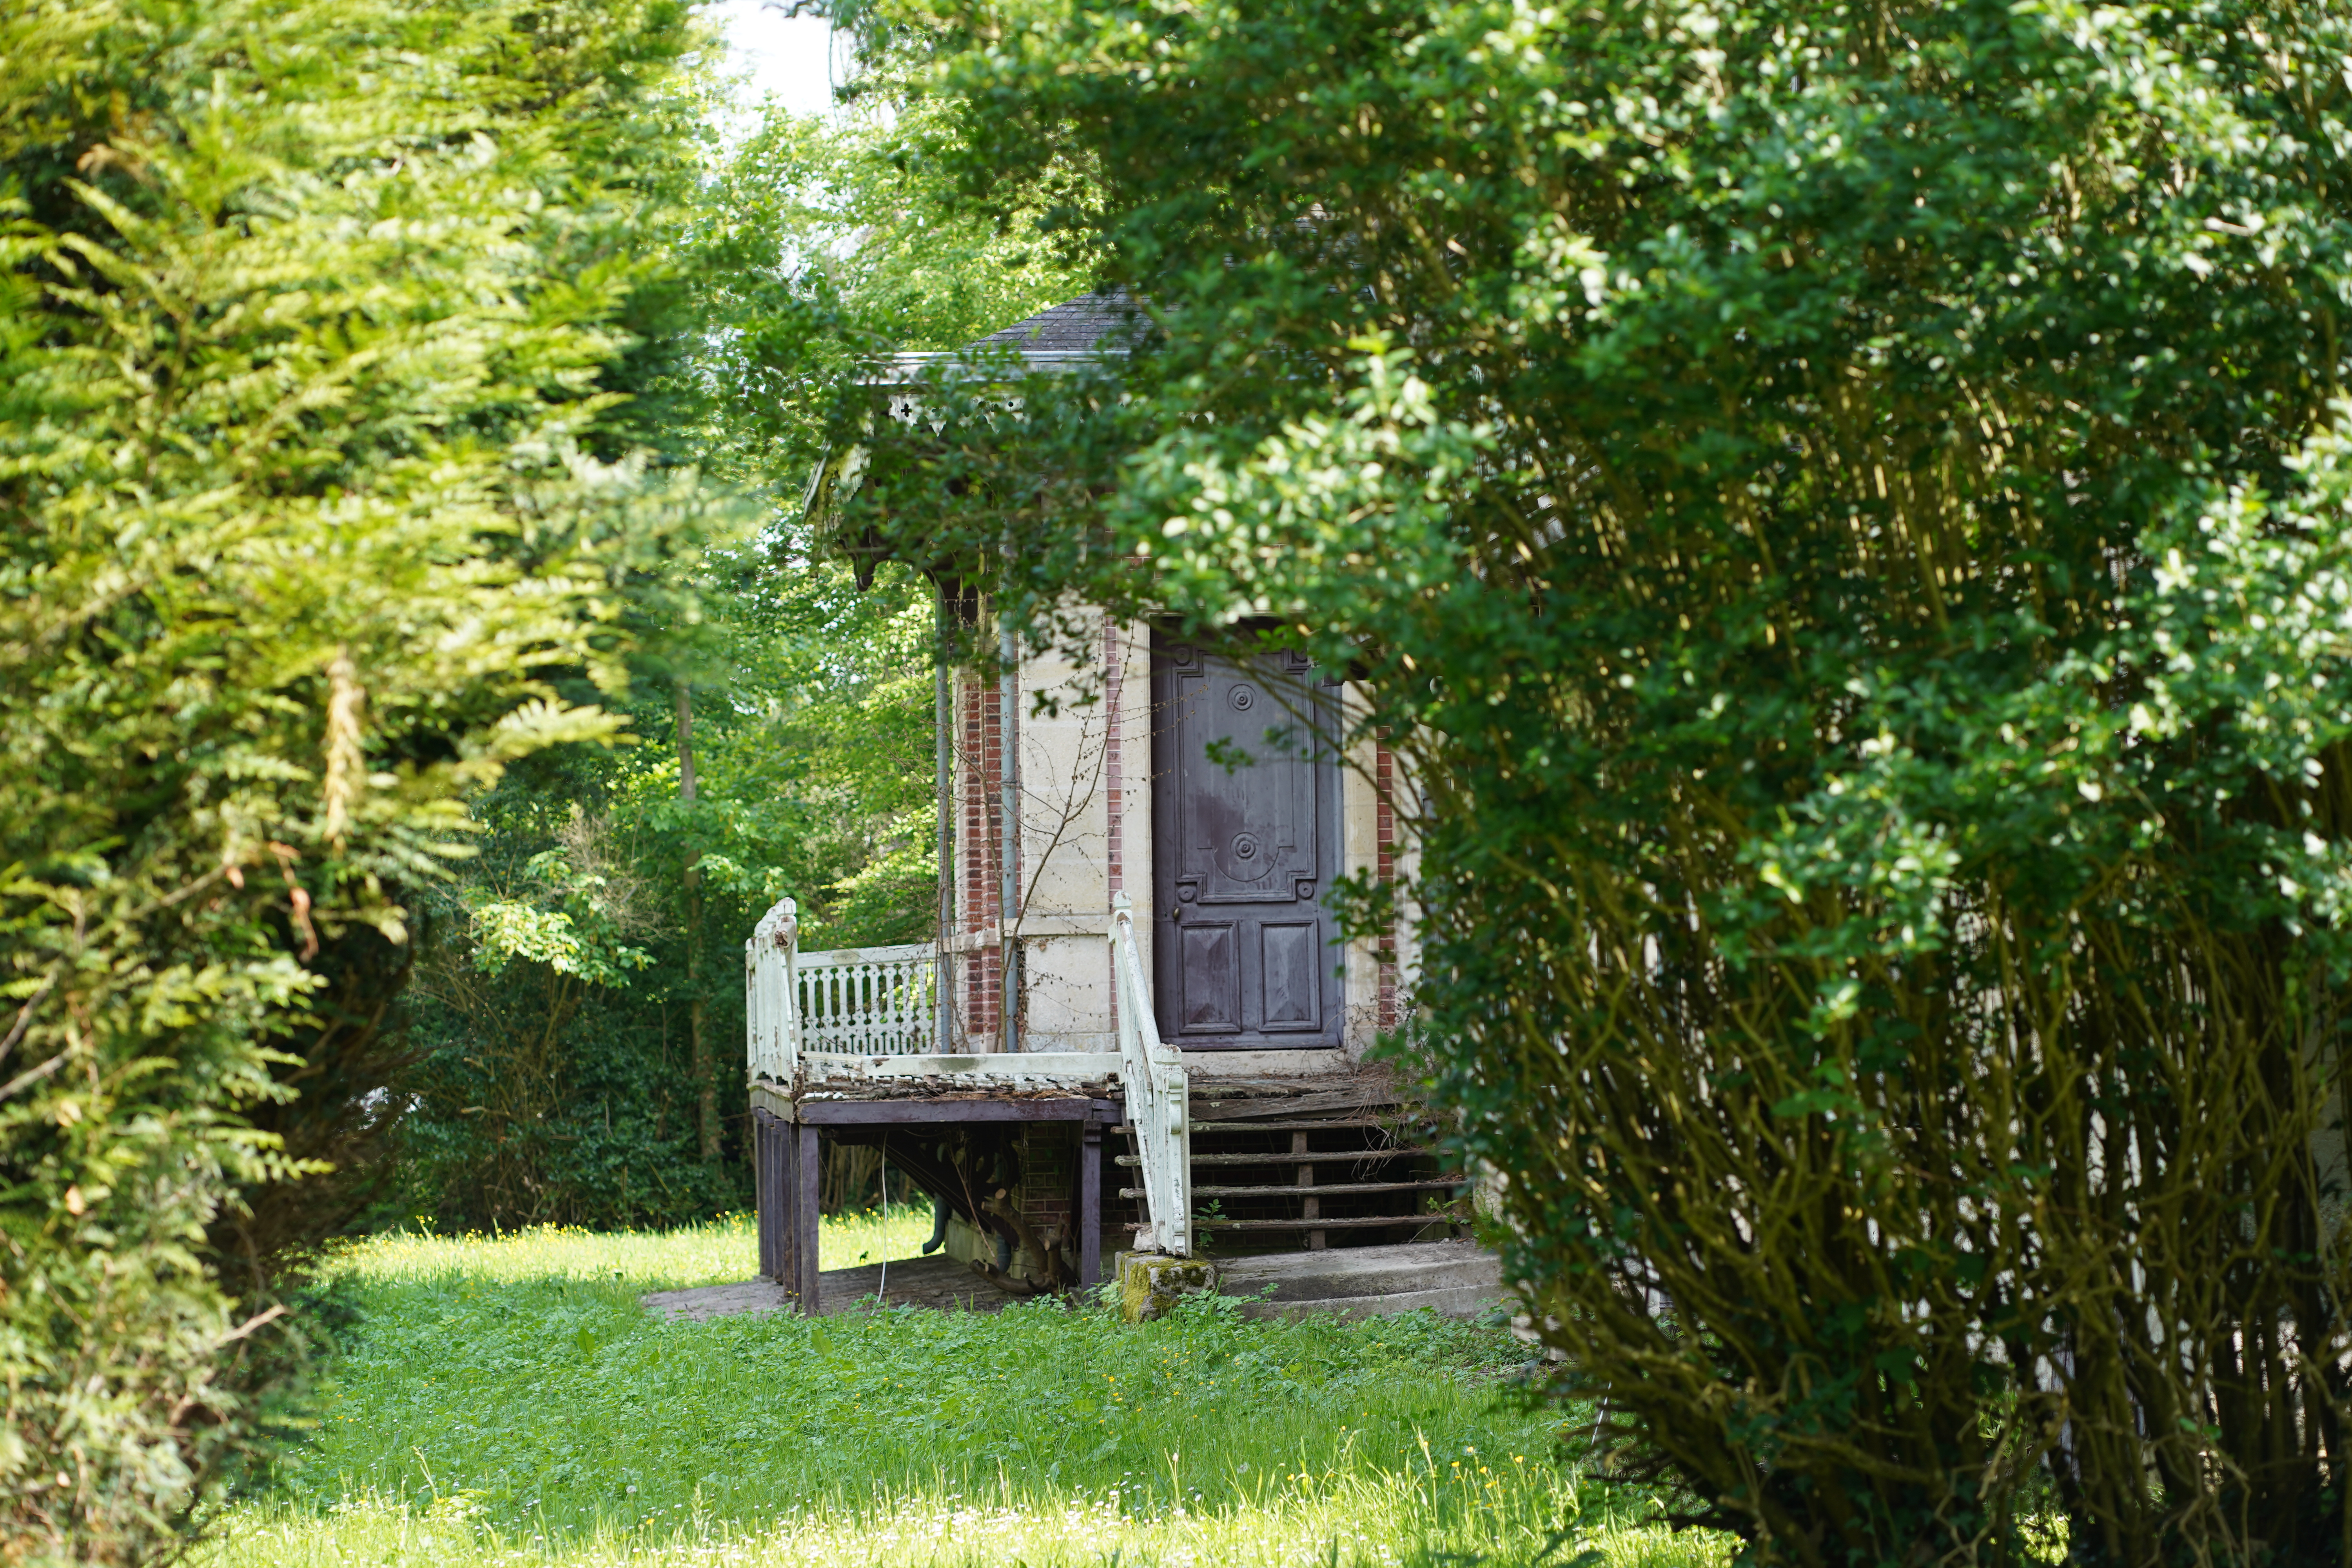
941	1283
1454	1278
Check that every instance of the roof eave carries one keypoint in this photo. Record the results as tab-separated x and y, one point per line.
907	369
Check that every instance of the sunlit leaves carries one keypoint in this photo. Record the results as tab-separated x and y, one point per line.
305	336
1861	576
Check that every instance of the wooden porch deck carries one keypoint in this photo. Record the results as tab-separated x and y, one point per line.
908	1112
789	1127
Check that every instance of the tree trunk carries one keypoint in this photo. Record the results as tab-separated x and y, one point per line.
706	1076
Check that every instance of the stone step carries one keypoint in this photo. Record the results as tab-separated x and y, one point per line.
1295	1157
1209	1105
1466	1301
1456	1278
1291	1190
1327	1124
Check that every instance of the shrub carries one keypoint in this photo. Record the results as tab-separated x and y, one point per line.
1844	508
302	321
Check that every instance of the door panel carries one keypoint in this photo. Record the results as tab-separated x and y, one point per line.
1209	985
1289	996
1245	843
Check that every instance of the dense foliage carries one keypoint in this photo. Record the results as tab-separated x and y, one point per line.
312	488
578	1010
1846	505
356	364
826	245
554	1010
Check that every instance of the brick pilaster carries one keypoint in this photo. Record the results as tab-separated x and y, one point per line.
981	749
1049	1164
1384	846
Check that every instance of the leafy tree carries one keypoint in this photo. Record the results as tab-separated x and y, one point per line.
1844	508
824	244
556	1089
802	704
312	487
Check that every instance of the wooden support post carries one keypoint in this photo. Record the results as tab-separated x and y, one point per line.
787	1186
1090	1202
804	1283
758	1137
767	1165
1312	1207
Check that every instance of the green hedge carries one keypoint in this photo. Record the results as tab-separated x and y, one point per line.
306	319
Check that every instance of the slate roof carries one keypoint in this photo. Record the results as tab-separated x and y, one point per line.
1064	337
1074	328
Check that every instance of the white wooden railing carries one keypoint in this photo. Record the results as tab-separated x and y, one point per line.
769	1001
1158	1097
852	1001
870	1001
883	1002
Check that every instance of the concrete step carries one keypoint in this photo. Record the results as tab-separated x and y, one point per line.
1454	1278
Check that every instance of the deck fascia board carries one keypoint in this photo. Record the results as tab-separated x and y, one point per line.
905	1112
1021	1066
841	1090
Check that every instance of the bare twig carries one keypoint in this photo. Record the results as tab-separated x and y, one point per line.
254	1324
25	1013
31	1075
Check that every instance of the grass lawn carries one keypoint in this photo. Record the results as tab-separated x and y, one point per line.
507	1401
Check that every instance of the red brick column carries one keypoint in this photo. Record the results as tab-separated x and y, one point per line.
980	745
1049	1159
1384	846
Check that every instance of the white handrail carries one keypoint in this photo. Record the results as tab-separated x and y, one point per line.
1158	1097
770	998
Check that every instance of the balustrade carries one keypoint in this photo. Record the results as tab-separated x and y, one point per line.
870	1001
851	1001
885	1002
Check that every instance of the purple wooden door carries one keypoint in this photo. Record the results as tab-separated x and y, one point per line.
1245	956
